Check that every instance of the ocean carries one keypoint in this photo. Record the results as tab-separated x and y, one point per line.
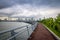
9	25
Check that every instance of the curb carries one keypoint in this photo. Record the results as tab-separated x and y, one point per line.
52	32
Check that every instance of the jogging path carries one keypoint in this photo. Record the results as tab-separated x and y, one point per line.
41	33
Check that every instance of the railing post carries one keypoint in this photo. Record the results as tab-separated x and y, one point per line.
12	34
28	30
32	27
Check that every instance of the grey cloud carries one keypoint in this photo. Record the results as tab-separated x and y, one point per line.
32	3
6	14
8	3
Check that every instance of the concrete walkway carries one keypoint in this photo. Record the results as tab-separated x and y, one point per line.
41	33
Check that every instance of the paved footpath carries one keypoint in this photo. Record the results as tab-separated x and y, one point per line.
41	33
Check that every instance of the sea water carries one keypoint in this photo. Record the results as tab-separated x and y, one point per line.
9	25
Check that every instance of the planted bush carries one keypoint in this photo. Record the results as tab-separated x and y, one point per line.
52	23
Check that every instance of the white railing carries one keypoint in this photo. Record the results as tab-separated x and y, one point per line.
15	34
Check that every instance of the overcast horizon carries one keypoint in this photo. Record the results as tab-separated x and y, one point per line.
30	8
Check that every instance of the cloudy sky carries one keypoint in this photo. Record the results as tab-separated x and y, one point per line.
29	8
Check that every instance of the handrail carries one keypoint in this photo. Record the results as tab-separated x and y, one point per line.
5	31
14	34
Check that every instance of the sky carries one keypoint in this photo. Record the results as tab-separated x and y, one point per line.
30	8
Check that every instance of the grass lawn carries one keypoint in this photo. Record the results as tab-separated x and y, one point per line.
55	31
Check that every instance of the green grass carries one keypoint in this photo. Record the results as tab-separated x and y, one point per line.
55	31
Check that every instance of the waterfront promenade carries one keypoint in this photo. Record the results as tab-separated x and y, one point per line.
41	33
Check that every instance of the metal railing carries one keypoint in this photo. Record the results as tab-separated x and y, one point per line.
15	34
